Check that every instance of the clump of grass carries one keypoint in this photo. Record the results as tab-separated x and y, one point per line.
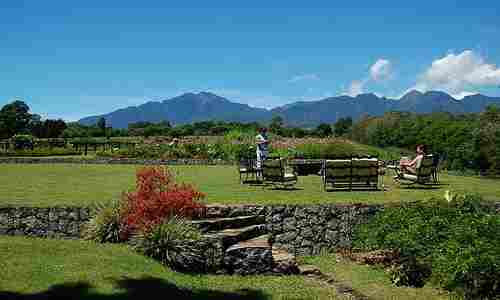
105	226
174	242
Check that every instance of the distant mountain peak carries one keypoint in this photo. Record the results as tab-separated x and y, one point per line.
208	97
203	106
412	94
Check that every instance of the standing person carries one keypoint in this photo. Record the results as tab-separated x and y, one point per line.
262	146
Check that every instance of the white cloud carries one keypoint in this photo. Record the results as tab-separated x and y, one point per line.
356	88
303	77
461	95
459	74
381	70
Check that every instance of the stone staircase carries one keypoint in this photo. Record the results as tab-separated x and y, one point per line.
242	246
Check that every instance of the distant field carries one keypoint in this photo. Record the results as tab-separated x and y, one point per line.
66	184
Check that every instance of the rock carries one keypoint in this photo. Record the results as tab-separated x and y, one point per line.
249	257
309	270
284	262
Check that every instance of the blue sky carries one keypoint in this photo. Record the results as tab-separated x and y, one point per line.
71	59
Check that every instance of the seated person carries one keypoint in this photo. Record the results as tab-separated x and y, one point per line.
410	167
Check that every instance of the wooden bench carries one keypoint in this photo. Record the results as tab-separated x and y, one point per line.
351	173
274	173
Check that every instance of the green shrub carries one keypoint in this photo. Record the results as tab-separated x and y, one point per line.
105	226
238	151
469	261
40	152
23	141
174	242
166	151
410	272
458	237
333	150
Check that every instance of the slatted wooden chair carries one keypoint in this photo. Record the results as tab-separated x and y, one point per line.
274	173
423	176
436	163
247	168
365	173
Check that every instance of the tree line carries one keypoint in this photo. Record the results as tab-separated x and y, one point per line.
466	141
16	118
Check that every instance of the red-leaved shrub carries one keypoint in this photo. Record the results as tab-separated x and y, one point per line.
157	197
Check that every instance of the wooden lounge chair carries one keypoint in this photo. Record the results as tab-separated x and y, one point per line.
273	173
247	168
423	176
436	162
365	173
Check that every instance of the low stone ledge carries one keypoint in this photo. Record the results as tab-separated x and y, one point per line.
117	161
299	229
52	222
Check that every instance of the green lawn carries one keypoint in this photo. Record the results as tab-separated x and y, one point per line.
65	184
85	270
373	281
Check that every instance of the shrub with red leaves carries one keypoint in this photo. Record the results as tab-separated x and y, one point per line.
157	197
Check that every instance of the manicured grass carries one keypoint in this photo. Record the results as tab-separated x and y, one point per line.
66	184
373	281
104	271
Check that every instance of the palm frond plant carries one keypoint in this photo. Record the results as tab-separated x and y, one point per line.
174	242
106	224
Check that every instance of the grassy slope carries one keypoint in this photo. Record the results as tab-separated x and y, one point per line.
373	281
62	184
31	266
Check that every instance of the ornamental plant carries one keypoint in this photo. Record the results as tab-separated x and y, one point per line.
174	242
156	198
106	224
454	240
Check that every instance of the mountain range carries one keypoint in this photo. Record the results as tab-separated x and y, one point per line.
203	106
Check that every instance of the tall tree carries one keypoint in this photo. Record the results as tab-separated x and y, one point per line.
324	130
276	125
342	126
14	118
101	124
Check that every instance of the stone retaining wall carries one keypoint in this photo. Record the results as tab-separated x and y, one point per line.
300	229
116	161
306	230
53	222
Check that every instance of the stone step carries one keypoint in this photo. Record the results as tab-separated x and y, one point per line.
257	256
216	224
261	241
284	262
232	236
280	255
250	257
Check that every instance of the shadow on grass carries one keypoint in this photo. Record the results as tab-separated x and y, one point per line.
291	189
336	190
420	187
144	288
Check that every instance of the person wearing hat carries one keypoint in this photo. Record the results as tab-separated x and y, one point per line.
262	146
